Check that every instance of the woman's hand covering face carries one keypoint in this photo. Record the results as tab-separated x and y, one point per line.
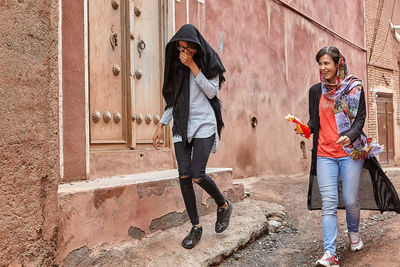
186	59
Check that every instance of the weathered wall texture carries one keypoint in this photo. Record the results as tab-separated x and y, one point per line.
268	51
28	132
73	91
383	58
126	210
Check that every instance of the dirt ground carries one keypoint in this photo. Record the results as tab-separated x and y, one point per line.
301	244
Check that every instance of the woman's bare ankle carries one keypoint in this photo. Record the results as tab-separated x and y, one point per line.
225	205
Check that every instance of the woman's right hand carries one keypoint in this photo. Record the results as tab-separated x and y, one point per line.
298	132
158	135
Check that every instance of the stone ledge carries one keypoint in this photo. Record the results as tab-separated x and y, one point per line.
125	180
248	222
129	208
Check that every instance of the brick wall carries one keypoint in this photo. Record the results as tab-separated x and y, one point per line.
382	58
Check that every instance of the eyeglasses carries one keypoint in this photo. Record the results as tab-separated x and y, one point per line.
187	48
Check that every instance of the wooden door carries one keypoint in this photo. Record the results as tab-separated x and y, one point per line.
106	74
145	68
385	127
125	68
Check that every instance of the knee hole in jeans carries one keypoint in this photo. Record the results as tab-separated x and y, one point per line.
351	205
196	180
184	176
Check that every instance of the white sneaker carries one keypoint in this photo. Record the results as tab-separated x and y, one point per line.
328	260
356	243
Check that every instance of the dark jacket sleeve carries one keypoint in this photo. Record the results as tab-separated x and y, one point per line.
311	107
358	124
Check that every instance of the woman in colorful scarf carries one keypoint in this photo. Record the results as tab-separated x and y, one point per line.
337	115
192	79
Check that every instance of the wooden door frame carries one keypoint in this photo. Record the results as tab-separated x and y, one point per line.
127	53
168	31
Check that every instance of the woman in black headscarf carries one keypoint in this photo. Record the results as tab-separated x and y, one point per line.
192	78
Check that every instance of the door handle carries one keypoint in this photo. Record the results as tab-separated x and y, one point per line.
141	46
114	40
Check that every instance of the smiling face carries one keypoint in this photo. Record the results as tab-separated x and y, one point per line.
328	68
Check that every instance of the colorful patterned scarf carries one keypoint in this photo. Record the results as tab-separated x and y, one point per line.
346	94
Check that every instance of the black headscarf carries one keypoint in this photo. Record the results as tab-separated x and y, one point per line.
176	77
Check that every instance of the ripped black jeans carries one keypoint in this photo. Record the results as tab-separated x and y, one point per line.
192	162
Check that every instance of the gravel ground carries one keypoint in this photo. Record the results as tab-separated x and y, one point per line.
299	241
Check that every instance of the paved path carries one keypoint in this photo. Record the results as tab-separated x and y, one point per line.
300	244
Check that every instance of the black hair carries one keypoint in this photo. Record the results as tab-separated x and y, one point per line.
330	51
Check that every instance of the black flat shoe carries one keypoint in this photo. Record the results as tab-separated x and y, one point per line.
223	217
193	237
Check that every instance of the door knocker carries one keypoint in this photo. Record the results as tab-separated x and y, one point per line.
141	46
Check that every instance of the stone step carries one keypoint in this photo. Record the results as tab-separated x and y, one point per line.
250	219
115	210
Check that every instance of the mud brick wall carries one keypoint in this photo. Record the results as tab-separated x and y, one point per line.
383	57
29	167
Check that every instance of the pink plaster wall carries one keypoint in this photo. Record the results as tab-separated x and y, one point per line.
29	169
268	52
346	19
73	66
180	13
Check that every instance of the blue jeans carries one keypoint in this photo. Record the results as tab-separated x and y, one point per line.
328	171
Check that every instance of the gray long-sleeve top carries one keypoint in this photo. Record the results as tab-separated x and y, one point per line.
201	122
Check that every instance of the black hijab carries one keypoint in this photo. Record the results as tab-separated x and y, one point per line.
176	77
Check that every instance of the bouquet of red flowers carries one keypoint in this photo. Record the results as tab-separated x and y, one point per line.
301	126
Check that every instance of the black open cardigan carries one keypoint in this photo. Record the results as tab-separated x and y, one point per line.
376	190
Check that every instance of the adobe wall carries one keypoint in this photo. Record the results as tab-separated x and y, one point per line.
268	50
29	169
